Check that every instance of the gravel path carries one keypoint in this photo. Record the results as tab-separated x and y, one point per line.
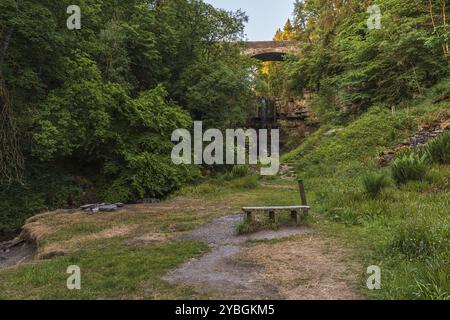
219	272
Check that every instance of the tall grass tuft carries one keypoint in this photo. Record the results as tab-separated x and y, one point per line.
410	166
439	149
374	183
434	282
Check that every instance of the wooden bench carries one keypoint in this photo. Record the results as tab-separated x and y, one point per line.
295	210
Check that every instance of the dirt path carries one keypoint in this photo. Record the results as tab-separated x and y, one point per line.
291	269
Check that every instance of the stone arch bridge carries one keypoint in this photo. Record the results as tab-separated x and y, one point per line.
269	50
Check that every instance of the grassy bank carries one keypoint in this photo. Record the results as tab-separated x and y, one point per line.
405	229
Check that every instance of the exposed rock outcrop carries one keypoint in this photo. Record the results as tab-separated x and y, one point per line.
425	133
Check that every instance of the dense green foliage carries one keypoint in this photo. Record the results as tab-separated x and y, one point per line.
94	108
353	66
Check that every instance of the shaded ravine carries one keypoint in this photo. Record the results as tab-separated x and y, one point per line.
8	235
16	251
219	272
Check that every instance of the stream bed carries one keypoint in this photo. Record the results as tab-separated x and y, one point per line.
15	251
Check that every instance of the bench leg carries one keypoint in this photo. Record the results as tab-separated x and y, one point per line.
305	212
272	216
295	217
249	216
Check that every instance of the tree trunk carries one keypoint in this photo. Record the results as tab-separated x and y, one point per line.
444	22
445	46
11	158
4	49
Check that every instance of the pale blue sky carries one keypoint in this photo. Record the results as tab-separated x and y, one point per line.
265	16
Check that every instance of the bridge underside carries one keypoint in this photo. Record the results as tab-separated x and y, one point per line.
270	56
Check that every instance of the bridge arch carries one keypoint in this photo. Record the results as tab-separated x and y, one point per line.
268	50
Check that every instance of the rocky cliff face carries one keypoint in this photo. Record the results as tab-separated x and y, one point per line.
295	120
292	116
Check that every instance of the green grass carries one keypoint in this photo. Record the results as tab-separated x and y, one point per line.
225	184
114	272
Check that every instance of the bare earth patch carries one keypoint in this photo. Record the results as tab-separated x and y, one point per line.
47	225
307	268
148	239
75	243
184	205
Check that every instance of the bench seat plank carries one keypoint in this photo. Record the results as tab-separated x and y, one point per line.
278	208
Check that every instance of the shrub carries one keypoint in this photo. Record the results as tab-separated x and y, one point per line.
239	171
439	178
374	183
200	190
42	191
128	140
412	166
441	91
439	149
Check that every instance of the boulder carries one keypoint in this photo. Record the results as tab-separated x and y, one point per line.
108	207
104	207
331	132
